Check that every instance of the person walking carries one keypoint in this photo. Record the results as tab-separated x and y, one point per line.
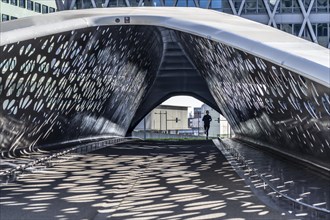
207	120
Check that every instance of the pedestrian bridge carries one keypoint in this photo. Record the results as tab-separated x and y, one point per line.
83	73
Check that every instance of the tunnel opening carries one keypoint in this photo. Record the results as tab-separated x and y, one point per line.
103	79
61	91
180	117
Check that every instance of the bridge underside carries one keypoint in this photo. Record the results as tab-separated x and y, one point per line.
103	80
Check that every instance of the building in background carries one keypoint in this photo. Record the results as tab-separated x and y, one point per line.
195	124
197	112
308	19
14	9
166	119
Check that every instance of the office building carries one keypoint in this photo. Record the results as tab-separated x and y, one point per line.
308	19
14	9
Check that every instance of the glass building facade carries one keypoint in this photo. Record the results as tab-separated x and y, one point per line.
14	9
309	19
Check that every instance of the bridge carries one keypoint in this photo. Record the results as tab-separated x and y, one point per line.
96	73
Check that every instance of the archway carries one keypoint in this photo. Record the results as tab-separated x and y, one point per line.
87	72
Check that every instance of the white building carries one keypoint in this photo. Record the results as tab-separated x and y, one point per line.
13	9
166	119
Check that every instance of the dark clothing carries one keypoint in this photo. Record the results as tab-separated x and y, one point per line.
207	119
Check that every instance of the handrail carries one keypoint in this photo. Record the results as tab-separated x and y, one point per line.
241	160
289	198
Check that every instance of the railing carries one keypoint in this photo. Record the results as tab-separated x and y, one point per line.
153	135
253	172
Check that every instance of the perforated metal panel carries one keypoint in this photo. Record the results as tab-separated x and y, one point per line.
263	101
75	84
58	85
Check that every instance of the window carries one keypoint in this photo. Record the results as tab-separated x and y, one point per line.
88	4
181	3
307	34
295	6
51	10
322	5
99	3
296	29
203	3
191	4
287	28
307	3
287	3
215	5
226	7
169	3
250	6
272	4
37	7
13	2
286	6
29	5
5	1
22	3
44	9
5	17
322	30
13	18
261	7
323	34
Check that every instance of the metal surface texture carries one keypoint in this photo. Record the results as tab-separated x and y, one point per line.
263	102
74	84
91	72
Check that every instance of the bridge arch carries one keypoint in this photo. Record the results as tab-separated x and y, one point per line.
91	72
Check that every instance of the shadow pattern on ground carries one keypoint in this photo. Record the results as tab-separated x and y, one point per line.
142	180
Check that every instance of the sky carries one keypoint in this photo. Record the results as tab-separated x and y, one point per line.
184	101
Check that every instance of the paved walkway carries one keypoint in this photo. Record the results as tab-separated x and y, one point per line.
140	180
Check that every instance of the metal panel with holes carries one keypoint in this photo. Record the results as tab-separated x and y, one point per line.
87	72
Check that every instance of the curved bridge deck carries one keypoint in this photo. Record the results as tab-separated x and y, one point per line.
139	180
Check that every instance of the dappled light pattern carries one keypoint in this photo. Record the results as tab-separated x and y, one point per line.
173	180
264	103
75	84
12	168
